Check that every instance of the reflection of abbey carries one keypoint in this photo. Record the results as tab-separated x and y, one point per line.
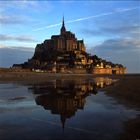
65	97
65	53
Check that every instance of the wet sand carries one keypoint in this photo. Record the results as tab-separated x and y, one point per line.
127	92
33	76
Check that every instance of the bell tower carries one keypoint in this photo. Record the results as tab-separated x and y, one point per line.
63	29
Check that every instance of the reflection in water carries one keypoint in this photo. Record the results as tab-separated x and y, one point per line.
65	97
79	104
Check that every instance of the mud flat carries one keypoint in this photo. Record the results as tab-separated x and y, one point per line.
127	92
32	76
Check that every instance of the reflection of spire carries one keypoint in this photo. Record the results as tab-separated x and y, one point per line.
63	119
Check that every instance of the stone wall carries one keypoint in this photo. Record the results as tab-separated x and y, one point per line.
94	71
109	71
73	70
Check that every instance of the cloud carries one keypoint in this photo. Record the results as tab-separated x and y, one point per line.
2	46
13	12
120	44
10	55
47	27
123	30
20	48
27	5
86	18
11	19
23	38
131	29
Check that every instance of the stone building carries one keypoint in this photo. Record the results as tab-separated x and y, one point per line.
66	41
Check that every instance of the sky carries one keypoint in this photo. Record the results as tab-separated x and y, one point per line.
110	29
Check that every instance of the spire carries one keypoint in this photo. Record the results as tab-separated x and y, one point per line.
63	29
63	22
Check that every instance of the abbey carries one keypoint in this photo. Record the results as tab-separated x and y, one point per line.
65	53
63	50
66	41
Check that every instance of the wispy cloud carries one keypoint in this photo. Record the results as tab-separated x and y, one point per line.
47	27
23	38
15	12
89	17
11	19
20	48
122	30
118	44
2	46
36	6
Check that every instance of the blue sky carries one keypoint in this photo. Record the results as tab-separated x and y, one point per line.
110	29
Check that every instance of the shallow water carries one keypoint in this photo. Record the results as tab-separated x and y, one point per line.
61	109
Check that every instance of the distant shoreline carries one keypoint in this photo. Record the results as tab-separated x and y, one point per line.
31	76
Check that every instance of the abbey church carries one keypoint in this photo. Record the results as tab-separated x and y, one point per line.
66	41
64	53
